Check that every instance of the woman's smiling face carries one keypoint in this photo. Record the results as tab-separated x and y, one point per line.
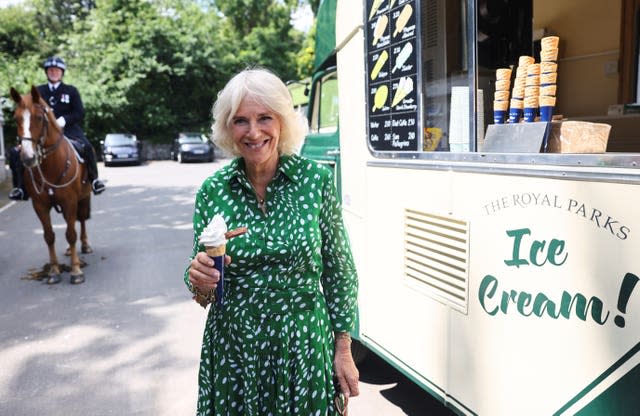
256	132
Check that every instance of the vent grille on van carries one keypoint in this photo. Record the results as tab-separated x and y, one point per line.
437	256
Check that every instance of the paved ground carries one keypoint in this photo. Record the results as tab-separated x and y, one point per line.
127	341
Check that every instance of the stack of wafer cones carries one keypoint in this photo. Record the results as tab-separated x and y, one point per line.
501	98
518	93
548	76
531	92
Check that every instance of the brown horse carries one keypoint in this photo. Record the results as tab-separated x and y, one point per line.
54	177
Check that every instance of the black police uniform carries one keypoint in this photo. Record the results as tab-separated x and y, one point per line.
66	102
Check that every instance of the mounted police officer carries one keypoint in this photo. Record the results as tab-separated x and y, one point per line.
67	106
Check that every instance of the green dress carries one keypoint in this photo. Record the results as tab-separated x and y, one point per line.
292	281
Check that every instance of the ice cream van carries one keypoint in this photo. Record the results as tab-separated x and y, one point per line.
498	259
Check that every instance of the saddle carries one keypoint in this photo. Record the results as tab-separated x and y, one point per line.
78	147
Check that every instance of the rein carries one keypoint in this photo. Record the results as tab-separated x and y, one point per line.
42	152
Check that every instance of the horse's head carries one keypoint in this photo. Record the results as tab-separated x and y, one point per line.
35	123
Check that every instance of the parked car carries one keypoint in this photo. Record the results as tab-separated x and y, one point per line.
192	147
120	148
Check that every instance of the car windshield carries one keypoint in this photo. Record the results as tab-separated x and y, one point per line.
191	138
119	139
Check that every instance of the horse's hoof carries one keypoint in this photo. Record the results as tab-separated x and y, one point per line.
53	279
76	280
86	249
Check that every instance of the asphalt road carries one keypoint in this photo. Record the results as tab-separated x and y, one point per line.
126	342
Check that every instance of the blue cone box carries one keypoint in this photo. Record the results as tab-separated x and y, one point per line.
499	116
515	114
530	114
546	113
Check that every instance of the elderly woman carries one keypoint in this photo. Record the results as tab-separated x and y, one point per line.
282	335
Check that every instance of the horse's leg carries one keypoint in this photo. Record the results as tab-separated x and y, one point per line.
69	212
43	213
86	247
84	211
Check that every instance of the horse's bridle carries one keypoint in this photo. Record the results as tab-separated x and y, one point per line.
41	152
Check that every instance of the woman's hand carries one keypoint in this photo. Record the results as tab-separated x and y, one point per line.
344	367
202	274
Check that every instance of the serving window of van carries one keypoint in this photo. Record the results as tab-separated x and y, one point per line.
583	79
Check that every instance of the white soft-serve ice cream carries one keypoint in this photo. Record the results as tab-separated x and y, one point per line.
213	236
214	239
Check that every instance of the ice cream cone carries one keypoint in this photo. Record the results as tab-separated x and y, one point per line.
547	55
503	74
533	69
547	101
546	67
550	42
517	103
549	78
518	92
216	251
501	95
531	91
500	105
525	60
548	90
532	80
503	85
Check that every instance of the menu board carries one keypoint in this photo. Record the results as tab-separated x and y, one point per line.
392	57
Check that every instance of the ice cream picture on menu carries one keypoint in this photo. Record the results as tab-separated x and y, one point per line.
214	239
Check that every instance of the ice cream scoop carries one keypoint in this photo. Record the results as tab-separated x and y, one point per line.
213	234
381	26
403	18
405	86
380	98
402	57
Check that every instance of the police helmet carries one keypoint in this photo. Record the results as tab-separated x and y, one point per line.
54	62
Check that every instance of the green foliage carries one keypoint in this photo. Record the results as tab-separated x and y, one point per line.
152	68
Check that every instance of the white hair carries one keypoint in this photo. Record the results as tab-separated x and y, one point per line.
267	89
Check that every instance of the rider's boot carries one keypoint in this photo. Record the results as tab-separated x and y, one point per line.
97	186
18	194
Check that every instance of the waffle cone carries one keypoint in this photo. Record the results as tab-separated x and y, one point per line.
549	55
503	85
518	92
521	72
502	95
517	103
532	91
500	105
547	101
216	251
533	69
549	78
503	74
531	102
550	42
546	67
548	90
525	60
532	80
